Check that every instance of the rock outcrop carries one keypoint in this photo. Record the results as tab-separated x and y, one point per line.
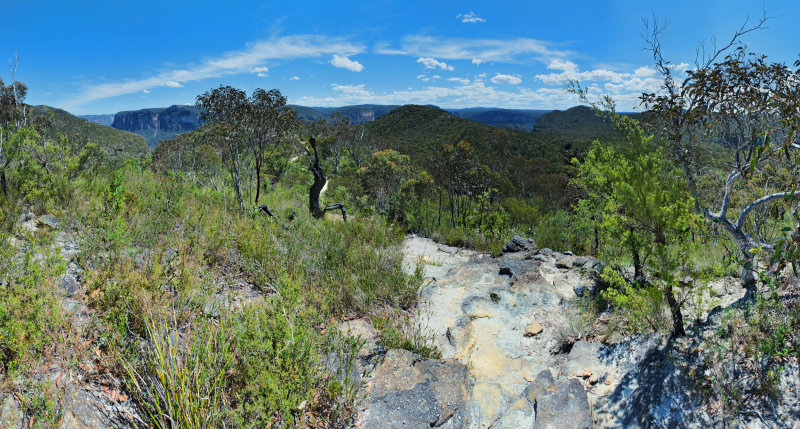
532	363
407	391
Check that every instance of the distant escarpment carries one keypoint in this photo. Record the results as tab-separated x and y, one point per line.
158	124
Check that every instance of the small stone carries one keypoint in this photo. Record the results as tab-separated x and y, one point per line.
607	381
533	329
49	220
529	378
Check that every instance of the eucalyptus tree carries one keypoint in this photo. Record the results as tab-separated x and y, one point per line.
749	106
226	109
269	120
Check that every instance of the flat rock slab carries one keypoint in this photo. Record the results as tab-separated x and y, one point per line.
407	391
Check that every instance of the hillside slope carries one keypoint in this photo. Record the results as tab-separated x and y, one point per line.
421	131
511	118
116	143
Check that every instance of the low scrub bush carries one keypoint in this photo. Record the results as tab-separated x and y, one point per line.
31	319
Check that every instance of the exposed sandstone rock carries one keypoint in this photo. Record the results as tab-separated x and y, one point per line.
407	391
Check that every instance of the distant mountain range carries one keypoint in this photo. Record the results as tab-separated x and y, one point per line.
157	124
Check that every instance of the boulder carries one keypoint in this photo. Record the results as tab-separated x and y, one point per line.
519	244
559	403
407	391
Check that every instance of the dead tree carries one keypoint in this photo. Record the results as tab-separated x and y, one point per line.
316	188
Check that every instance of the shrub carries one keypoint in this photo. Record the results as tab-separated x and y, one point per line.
30	315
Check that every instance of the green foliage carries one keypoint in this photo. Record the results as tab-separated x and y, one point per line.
636	309
31	321
398	331
40	404
635	201
276	367
115	145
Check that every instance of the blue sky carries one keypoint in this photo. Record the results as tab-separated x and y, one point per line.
102	57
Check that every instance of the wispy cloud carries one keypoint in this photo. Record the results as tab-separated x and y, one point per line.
470	17
294	78
460	80
478	61
506	79
432	63
513	50
641	78
255	55
346	63
260	71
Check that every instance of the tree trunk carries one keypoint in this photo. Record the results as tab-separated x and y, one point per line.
238	189
637	261
452	209
316	188
439	219
675	309
4	183
747	276
258	179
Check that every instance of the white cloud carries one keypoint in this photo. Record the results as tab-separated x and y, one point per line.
423	77
470	17
346	63
352	91
260	71
294	78
436	76
514	50
641	79
432	63
230	63
478	61
506	79
145	91
460	80
679	68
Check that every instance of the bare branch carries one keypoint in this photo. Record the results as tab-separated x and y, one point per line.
763	200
